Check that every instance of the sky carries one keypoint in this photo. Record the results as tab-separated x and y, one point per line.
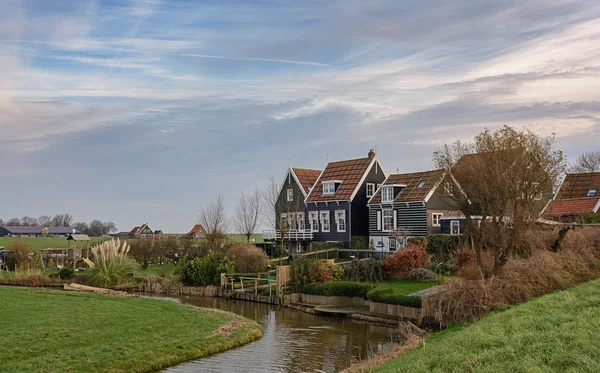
143	111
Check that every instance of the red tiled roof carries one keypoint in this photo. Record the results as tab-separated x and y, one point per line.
306	177
571	206
578	185
198	228
348	172
135	230
411	192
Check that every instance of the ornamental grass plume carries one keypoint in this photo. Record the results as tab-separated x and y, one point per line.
111	266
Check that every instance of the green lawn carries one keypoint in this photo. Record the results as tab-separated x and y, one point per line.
559	332
56	331
164	270
405	287
36	243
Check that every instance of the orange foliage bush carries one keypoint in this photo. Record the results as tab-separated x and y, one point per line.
397	265
248	258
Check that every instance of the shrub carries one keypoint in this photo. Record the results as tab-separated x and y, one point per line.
359	243
66	273
397	265
206	271
387	295
248	258
421	274
444	247
19	258
368	270
111	265
339	288
305	271
466	258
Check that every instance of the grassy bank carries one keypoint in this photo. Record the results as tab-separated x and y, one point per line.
405	287
558	332
36	243
55	331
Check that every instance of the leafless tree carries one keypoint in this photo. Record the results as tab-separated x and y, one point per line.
95	228
248	214
502	176
82	227
214	220
14	222
62	220
28	221
1	223
44	220
270	196
586	162
108	227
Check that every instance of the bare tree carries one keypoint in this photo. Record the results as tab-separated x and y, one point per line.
96	228
214	220
62	220
108	227
270	197
28	221
1	223
502	176
248	214
45	220
14	222
82	227
586	162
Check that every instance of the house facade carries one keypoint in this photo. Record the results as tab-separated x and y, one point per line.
143	231
579	193
411	205
18	231
337	204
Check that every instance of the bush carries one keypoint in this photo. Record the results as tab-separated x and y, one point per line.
111	265
368	270
420	274
444	247
66	273
305	271
359	243
248	258
339	288
465	258
206	271
19	258
397	265
387	295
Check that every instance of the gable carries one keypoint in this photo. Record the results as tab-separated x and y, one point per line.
419	186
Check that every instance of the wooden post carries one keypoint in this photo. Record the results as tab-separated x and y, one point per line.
256	287
270	287
242	282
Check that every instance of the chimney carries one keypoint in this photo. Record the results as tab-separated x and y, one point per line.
371	153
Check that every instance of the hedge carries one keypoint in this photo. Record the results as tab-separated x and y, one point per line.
339	288
442	247
387	295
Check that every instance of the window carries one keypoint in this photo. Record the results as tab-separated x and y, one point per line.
324	221
314	221
370	190
290	195
455	227
387	194
300	220
392	244
388	220
340	218
328	188
592	192
421	185
284	221
436	219
448	189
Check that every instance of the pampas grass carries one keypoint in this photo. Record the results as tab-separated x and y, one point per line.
111	266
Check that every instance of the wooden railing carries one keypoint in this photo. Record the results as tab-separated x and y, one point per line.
290	234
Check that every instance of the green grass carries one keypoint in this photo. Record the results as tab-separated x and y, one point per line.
37	243
558	332
167	270
405	287
55	331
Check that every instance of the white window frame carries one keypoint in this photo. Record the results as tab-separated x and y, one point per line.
283	219
370	190
452	224
325	217
343	218
390	218
393	247
290	194
592	192
300	223
421	184
314	221
328	189
439	217
387	194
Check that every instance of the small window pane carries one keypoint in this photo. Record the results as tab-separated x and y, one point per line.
592	192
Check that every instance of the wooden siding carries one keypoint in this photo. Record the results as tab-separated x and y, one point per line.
297	205
412	216
360	211
333	235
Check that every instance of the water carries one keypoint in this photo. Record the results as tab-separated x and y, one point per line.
293	341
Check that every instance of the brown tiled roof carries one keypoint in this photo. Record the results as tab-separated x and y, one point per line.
135	230
571	206
348	172
198	228
411	192
306	177
578	185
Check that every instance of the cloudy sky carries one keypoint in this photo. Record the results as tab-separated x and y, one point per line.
144	111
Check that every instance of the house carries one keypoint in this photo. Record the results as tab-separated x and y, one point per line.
197	231
578	193
291	211
143	231
17	231
410	205
337	203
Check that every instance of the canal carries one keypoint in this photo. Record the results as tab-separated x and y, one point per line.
293	341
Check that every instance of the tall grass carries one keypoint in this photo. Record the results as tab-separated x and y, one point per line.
111	266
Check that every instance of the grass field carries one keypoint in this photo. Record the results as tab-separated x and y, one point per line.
56	331
36	243
559	332
405	287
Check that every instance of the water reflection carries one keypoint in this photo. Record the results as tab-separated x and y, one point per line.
293	341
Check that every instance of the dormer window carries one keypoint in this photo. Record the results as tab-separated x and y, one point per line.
421	185
592	192
328	188
387	194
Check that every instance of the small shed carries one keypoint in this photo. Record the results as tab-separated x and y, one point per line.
78	237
